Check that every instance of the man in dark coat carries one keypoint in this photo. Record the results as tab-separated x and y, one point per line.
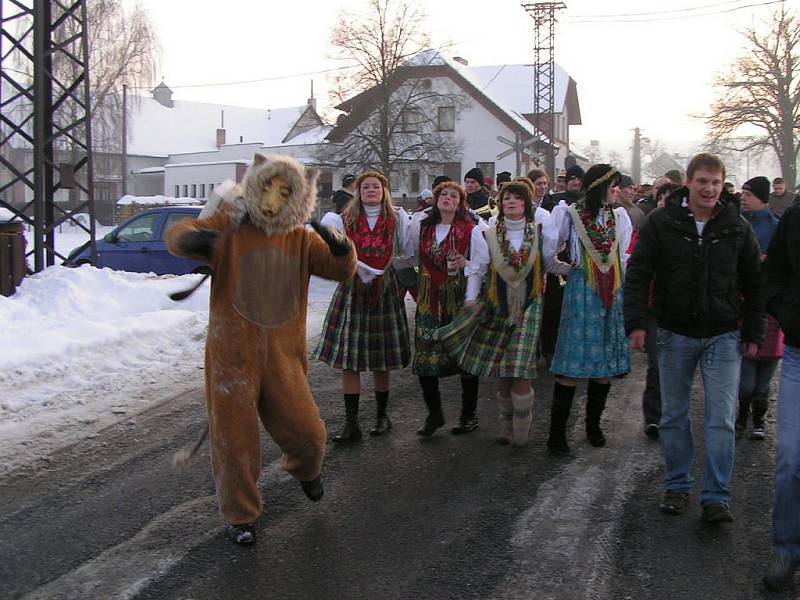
782	271
701	262
343	196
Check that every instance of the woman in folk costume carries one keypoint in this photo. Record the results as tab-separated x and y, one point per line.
500	342
442	242
366	327
591	339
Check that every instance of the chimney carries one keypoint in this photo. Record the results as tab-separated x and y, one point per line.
163	95
312	102
460	60
220	137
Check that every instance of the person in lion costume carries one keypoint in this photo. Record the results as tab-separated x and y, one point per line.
262	256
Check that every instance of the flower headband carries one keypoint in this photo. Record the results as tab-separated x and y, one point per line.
603	179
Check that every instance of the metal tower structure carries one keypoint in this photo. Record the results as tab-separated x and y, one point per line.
544	78
45	131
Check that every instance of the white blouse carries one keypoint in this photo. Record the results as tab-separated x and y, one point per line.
363	270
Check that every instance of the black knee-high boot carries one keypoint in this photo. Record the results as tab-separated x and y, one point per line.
382	422
596	394
468	421
433	400
559	414
351	431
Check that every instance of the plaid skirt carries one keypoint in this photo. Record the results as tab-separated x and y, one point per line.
484	344
365	334
591	340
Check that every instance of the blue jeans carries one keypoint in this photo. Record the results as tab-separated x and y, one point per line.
786	512
719	358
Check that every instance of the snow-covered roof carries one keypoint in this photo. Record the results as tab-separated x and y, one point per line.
312	136
157	130
513	85
158	200
505	103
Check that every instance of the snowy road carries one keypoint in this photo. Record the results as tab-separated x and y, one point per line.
446	517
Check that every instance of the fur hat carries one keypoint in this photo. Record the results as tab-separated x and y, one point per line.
758	186
348	179
302	192
503	177
575	171
476	174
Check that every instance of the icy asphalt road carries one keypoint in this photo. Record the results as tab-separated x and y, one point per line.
447	517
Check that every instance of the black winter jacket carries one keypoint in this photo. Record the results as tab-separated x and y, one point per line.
782	271
702	286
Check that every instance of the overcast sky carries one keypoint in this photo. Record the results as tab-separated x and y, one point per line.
653	73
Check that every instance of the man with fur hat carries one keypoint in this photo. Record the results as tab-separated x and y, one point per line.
574	182
256	359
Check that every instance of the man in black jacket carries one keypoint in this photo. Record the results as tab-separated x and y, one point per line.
782	271
342	197
701	262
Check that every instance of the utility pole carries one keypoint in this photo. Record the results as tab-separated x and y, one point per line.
44	103
544	24
636	159
124	139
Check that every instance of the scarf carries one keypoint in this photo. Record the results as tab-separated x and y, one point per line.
516	276
374	247
441	293
599	251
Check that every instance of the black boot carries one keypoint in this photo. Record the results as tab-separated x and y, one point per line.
351	432
759	409
596	394
468	421
244	535
559	414
433	400
744	412
382	422
313	489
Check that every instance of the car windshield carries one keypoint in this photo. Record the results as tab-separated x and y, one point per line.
141	229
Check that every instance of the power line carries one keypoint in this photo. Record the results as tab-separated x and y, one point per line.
675	17
657	12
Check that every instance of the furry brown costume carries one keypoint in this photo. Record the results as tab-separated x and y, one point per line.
256	357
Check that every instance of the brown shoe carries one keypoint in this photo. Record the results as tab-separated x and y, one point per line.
716	512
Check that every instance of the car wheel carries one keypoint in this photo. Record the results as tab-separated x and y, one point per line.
202	271
80	263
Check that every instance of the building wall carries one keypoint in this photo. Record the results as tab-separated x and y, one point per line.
196	180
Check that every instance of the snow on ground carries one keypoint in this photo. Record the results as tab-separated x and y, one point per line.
83	348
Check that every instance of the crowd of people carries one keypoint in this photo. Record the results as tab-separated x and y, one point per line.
576	275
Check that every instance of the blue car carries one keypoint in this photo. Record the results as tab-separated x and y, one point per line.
137	245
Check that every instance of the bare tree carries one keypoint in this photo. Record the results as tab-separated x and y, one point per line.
593	153
395	116
761	93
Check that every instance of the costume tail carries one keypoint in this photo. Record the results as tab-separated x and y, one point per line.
182	458
182	295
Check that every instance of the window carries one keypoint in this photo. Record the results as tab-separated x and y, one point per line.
202	190
185	191
140	230
414	181
194	190
410	120
177	191
446	118
453	171
394	180
176	217
487	168
210	188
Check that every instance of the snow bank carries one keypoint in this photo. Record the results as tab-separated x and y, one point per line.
83	348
